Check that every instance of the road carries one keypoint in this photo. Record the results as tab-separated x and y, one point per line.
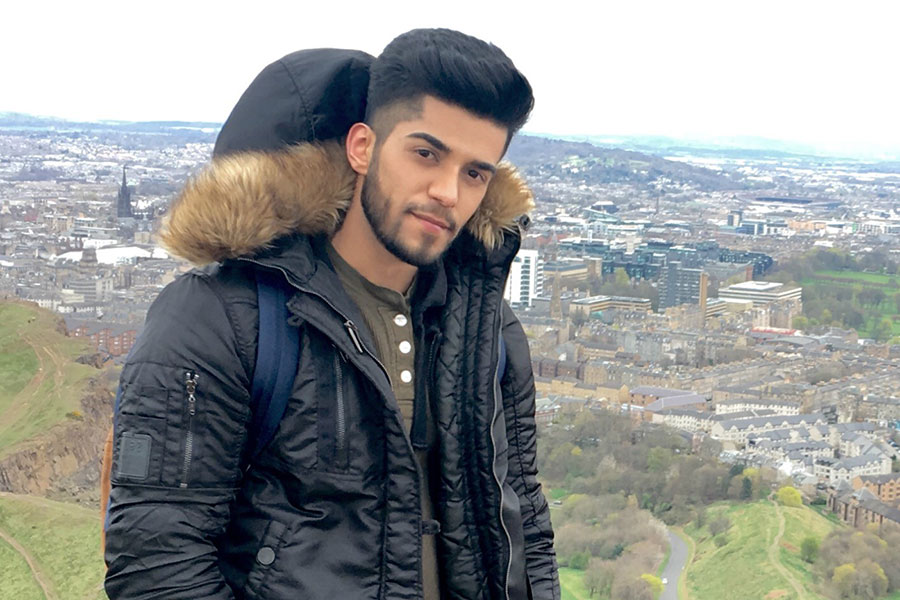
677	559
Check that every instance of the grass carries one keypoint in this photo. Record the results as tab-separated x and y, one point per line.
557	493
858	280
799	524
870	279
714	570
571	585
40	380
16	581
64	541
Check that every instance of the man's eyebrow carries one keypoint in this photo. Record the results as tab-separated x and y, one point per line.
442	147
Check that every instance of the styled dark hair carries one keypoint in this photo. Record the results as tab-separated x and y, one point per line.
453	67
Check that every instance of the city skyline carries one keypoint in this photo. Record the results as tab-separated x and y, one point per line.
816	74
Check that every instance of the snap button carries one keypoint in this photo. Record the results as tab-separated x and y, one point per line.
265	556
405	347
405	376
400	320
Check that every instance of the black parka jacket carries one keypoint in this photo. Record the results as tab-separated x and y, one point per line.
331	508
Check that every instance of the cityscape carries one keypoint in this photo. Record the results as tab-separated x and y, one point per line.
691	291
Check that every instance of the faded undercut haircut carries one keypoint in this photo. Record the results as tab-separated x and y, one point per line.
451	66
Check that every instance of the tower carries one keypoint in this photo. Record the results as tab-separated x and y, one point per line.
123	202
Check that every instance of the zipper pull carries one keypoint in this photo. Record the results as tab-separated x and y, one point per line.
190	383
354	336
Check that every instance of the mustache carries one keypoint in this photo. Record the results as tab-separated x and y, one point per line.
437	212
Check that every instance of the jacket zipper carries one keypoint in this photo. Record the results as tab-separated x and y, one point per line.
190	386
499	408
340	433
362	349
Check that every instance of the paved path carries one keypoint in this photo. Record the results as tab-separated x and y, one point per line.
35	570
677	559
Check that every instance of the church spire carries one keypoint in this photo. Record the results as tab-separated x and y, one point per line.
123	202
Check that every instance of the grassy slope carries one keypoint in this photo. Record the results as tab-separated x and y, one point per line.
16	581
571	585
64	541
40	381
744	558
800	523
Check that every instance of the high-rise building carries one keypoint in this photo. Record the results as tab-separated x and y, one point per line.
123	202
678	285
526	279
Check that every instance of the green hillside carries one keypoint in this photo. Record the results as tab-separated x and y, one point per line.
39	381
49	550
762	553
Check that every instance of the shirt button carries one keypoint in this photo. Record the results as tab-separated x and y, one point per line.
405	376
265	556
405	347
400	320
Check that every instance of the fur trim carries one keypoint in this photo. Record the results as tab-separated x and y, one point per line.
242	202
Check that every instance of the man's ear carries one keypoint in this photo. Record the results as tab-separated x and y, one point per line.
360	145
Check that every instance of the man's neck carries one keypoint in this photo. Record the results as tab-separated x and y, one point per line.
356	243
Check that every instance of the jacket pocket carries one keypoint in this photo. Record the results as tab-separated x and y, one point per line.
142	428
265	563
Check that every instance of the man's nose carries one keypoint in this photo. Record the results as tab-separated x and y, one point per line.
445	187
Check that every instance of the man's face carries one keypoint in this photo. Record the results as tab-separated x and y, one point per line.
427	177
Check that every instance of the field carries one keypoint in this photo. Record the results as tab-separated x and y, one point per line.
762	553
826	281
49	550
39	382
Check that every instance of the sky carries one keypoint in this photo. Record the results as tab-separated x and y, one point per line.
820	73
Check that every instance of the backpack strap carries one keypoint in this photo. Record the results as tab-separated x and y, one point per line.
277	351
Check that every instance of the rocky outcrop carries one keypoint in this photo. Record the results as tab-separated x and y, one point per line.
66	459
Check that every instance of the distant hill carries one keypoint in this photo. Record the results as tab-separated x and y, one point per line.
162	132
598	165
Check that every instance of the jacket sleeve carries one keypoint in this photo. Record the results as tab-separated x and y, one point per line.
518	399
179	433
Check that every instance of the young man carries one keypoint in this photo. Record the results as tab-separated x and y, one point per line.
404	465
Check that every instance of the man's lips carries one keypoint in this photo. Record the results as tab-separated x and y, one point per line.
433	220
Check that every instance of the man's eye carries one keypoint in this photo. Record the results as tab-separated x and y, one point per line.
476	175
424	152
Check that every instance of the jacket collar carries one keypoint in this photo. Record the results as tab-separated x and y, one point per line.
254	204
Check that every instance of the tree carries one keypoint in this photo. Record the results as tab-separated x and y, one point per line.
884	330
719	525
843	579
627	587
789	496
655	583
599	577
746	489
809	549
700	517
621	277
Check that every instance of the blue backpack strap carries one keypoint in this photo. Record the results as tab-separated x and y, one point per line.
277	351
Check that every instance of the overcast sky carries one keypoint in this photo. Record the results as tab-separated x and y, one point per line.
816	72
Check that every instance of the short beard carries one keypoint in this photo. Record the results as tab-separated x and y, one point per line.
375	207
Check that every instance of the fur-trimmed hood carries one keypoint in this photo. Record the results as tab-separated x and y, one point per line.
244	201
279	169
